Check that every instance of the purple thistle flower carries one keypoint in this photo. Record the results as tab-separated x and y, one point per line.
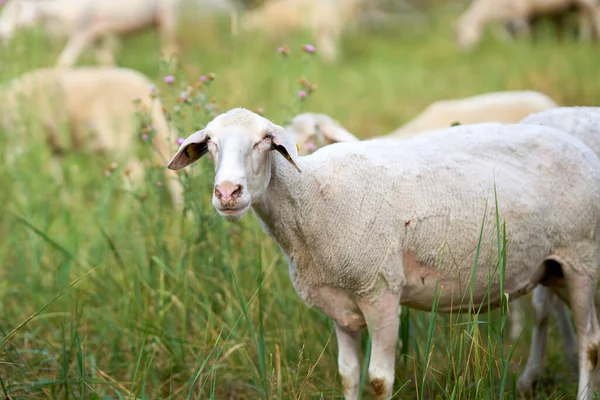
203	78
158	183
145	136
180	141
169	79
302	94
308	48
311	147
281	50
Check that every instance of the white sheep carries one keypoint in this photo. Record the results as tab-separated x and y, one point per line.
472	21
97	105
390	210
87	22
324	18
312	131
503	106
583	123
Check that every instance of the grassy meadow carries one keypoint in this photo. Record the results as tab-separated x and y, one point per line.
107	293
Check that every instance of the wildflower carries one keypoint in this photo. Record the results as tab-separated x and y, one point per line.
203	78
283	51
113	166
158	183
308	48
212	76
302	94
199	85
311	147
145	136
183	96
169	79
176	108
180	140
260	111
106	173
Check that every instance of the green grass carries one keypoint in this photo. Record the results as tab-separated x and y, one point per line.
108	294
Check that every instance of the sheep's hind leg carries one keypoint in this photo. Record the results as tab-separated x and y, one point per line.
579	294
382	318
581	288
349	360
542	300
567	333
516	318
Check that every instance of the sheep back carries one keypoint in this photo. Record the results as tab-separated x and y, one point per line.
581	122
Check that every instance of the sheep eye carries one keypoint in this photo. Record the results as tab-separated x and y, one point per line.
268	137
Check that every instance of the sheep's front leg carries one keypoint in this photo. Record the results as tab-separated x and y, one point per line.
106	49
76	44
349	360
382	317
167	23
542	300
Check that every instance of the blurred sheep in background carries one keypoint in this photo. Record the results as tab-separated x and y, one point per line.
89	109
88	22
519	13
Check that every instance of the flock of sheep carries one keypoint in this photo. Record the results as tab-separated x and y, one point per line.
364	224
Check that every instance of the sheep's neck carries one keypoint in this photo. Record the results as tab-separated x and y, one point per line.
277	209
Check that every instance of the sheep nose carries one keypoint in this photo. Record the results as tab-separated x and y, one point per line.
227	192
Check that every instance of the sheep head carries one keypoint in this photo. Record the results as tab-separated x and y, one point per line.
240	142
312	131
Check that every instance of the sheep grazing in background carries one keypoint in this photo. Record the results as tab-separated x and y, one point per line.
365	225
312	131
86	22
97	105
505	106
325	18
471	23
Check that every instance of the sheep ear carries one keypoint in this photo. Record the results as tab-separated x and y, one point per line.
284	145
335	133
190	151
